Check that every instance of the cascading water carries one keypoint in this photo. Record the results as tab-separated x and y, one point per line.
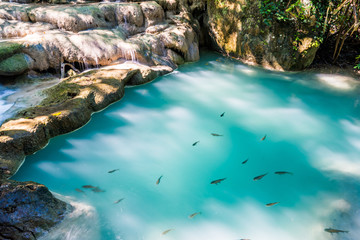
5	106
217	151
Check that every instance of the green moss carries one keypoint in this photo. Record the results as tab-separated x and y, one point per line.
15	65
7	49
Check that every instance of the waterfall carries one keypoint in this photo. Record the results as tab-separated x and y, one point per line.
63	65
4	105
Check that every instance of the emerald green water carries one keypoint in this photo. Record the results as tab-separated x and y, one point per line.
312	128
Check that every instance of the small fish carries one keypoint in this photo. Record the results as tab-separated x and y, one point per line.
79	190
194	214
222	114
272	204
259	177
97	190
332	230
217	181
263	138
158	181
111	171
194	144
245	161
88	186
283	172
116	202
167	231
216	135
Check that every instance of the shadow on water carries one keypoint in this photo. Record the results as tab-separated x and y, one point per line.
150	134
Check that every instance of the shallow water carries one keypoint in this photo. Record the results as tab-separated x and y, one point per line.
23	93
312	128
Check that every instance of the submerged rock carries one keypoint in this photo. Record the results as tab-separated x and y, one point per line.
27	210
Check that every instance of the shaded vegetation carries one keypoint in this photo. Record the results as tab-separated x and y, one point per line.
335	22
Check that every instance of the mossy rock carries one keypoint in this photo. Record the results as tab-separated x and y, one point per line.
16	65
7	49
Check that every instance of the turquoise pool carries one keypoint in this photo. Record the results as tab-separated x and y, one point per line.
312	127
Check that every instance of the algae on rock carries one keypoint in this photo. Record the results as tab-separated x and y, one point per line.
238	28
16	64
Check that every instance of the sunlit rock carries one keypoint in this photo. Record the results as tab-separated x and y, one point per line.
99	34
14	11
16	29
153	13
129	13
75	18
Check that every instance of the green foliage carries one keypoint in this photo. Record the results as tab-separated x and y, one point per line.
328	18
357	66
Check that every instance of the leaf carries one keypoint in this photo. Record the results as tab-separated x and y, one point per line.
56	114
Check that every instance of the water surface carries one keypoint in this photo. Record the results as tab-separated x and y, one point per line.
312	127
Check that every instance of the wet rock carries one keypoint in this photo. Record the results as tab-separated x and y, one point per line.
27	210
16	65
129	13
176	58
153	13
103	43
14	12
183	40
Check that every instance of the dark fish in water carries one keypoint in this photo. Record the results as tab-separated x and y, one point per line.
194	214
332	230
111	171
79	190
158	181
216	135
167	231
245	161
222	114
272	204
283	172
195	143
259	177
116	202
217	181
88	186
97	189
264	137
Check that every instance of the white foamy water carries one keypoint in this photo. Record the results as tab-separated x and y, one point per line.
4	104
